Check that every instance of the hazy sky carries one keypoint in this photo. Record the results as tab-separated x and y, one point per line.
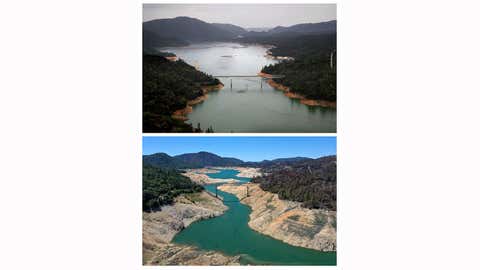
248	15
244	148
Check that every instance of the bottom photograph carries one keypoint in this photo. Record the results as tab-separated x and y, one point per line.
238	200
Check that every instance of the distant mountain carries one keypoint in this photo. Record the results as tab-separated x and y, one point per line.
186	30
191	160
307	28
258	29
206	159
152	40
276	162
236	30
181	31
162	160
203	159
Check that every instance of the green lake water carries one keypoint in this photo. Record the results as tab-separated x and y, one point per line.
230	234
247	104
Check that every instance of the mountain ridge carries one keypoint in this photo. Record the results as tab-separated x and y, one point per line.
181	31
204	159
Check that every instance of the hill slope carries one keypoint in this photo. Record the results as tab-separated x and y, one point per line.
190	160
236	30
203	159
307	28
167	87
313	182
184	30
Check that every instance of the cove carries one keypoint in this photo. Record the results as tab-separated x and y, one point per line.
230	234
247	104
228	174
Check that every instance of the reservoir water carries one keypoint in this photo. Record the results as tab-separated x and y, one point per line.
248	104
228	174
230	234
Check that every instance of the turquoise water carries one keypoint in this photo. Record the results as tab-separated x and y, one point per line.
228	174
230	234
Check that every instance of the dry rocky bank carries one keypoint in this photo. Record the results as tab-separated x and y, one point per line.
287	220
160	227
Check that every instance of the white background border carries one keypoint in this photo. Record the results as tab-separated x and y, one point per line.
70	110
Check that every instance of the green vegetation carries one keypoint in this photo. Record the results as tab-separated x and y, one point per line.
161	186
167	87
311	76
313	182
191	160
313	72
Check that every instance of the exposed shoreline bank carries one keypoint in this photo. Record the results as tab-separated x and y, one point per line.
288	93
287	220
160	227
199	175
182	113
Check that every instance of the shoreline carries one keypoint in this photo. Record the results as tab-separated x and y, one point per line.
160	227
288	93
286	220
199	175
181	114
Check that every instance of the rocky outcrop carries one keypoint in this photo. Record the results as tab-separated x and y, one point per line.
287	220
172	254
160	227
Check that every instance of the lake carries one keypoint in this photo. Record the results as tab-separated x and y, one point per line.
248	104
230	234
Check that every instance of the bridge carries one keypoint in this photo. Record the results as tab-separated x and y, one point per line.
269	76
249	76
215	195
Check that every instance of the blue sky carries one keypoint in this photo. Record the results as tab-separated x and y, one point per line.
244	148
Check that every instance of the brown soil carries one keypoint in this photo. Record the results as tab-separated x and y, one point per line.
182	113
172	58
286	90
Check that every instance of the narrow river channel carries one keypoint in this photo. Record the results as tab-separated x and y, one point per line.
230	234
248	104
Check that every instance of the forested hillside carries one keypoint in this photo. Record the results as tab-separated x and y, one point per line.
313	182
181	31
202	159
161	186
167	86
313	76
313	73
190	160
279	162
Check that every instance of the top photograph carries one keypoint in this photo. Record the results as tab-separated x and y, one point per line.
239	68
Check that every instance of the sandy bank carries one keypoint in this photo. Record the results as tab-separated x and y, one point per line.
182	113
172	58
198	175
201	178
247	172
286	90
287	220
160	227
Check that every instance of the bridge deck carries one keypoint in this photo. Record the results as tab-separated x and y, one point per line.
248	76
